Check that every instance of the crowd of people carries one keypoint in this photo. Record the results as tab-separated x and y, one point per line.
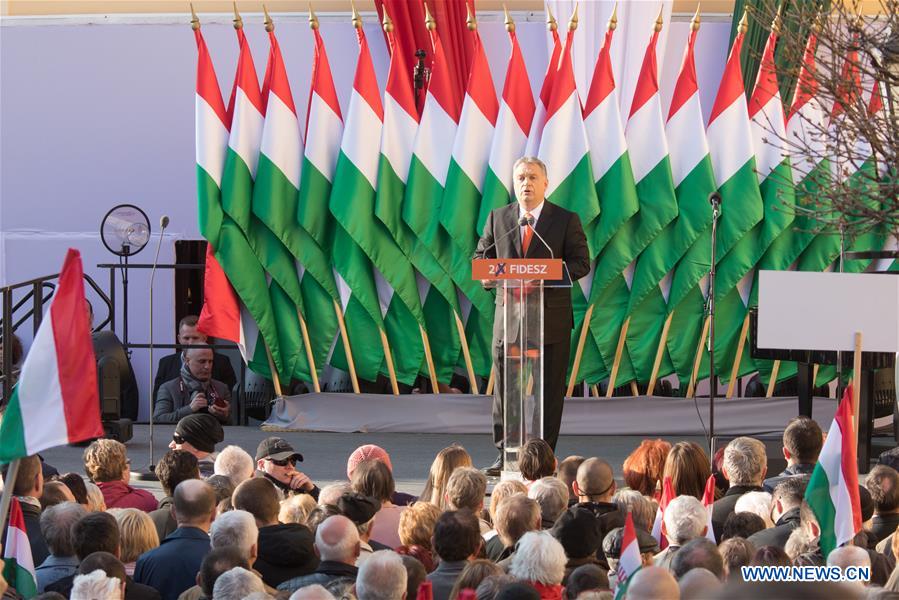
232	525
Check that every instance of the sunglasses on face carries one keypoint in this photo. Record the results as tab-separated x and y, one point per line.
283	463
177	438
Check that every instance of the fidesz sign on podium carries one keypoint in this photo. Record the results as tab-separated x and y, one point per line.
516	268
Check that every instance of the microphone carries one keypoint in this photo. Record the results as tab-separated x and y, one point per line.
529	221
715	199
522	222
163	223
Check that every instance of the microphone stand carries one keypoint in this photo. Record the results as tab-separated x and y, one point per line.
419	74
715	199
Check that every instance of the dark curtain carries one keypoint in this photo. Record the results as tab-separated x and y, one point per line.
411	34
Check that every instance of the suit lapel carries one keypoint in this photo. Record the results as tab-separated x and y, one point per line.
512	221
544	223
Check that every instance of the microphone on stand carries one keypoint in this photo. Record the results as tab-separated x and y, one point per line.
529	221
150	475
715	201
522	222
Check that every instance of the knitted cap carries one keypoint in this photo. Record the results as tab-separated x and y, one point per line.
366	452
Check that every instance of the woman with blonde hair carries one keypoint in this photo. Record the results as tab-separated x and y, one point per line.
296	508
688	467
447	460
493	545
107	465
416	529
138	535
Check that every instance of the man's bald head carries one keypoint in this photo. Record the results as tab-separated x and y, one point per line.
199	362
698	583
595	480
653	583
194	503
337	539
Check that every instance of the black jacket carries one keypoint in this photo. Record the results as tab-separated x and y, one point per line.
884	525
724	507
326	572
163	519
170	368
563	232
780	533
800	469
32	516
286	489
285	551
609	517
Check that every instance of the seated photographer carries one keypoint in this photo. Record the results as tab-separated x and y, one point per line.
188	334
194	391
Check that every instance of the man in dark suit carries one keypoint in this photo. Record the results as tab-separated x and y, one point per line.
170	366
785	504
524	230
194	391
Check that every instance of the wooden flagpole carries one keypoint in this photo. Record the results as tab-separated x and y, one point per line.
856	382
429	358
346	347
391	371
466	353
616	363
697	360
579	353
309	357
660	352
775	369
491	381
271	365
741	346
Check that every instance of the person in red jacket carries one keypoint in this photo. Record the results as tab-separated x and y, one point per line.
106	464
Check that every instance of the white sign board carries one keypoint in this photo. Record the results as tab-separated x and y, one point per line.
822	311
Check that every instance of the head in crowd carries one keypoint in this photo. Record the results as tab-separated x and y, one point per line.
685	519
333	491
611	547
741	524
95	500
97	584
236	584
698	553
296	508
136	532
642	469
198	361
236	529
745	461
850	556
445	463
516	516
577	529
188	333
312	592
106	460
529	180
259	498
568	473
758	503
277	458
222	487
57	527
653	583
373	478
337	539
193	504
642	509
174	467
415	575
319	514
457	535
552	496
473	574
218	561
539	558
55	492
417	522
235	463
364	453
490	587
75	483
586	578
788	495
802	441
381	577
697	584
96	532
536	460
595	481
198	434
770	556
361	510
883	485
687	465
517	590
808	521
736	552
501	491
466	488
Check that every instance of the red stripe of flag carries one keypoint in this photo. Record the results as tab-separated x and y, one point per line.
603	78
848	462
365	83
766	82
322	81
517	88
399	86
686	84
807	84
731	86
440	86
276	80
563	84
480	83
648	81
207	83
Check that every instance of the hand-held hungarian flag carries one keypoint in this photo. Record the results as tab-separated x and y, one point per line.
708	499
630	561
658	526
56	401
19	568
832	492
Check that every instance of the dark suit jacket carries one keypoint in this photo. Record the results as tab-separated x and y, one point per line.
172	567
780	533
173	401
170	368
724	507
562	231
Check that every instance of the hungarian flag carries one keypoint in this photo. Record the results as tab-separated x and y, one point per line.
691	168
658	526
630	560
19	568
832	492
56	400
708	499
536	132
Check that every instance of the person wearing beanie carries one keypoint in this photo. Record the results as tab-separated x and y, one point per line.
578	532
611	545
361	510
373	452
198	434
276	461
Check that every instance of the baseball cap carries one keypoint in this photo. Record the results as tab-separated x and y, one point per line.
276	448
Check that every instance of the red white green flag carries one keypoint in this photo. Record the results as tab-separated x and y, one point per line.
19	568
630	560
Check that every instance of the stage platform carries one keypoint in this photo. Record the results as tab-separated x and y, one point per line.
464	413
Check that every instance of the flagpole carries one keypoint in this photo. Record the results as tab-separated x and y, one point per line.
391	371
660	352
741	346
773	380
429	358
271	365
346	347
309	356
466	353
9	483
579	353
697	360
616	363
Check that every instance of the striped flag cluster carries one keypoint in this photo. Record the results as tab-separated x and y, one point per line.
342	235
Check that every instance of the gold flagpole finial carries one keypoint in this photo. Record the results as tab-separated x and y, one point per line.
386	23
313	20
509	23
550	20
694	23
744	22
269	24
430	23
860	18
470	20
613	20
238	21
573	21
194	19
357	18
659	21
777	22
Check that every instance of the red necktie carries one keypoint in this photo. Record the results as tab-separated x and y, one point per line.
528	234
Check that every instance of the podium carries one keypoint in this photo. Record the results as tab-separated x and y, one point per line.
521	284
